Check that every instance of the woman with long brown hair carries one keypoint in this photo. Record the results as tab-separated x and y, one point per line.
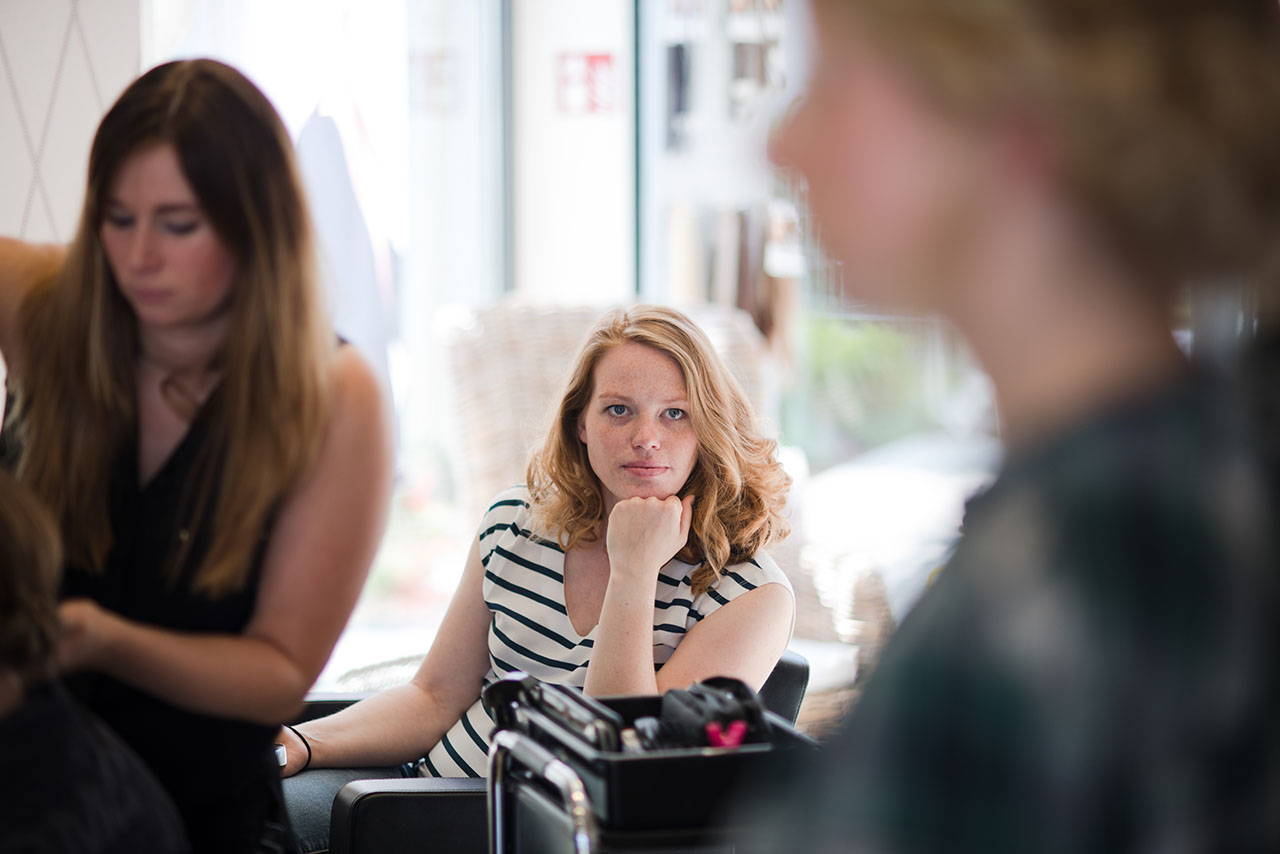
1095	669
631	561
218	466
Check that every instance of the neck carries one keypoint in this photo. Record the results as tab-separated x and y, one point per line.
184	350
1062	334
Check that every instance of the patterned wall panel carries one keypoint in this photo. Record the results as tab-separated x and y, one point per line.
62	62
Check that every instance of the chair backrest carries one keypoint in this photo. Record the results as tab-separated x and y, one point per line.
784	690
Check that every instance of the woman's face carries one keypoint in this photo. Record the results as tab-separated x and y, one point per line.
636	425
891	181
171	266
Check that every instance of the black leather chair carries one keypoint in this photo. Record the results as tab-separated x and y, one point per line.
450	815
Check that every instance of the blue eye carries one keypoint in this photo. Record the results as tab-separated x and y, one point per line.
616	409
675	414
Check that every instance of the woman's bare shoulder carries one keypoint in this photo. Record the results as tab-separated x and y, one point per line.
353	377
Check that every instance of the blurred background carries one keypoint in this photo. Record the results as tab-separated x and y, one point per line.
486	177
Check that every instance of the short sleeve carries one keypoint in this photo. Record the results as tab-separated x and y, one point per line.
736	580
507	514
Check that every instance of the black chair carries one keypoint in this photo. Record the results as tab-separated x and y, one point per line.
451	814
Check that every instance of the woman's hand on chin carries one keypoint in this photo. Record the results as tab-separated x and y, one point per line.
645	533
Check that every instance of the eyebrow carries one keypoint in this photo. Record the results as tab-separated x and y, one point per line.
167	208
622	398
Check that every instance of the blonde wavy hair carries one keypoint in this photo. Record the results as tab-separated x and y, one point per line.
77	393
741	489
1163	114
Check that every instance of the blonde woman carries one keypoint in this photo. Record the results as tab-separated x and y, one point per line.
1095	669
218	467
632	561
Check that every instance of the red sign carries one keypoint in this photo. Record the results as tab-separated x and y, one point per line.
585	83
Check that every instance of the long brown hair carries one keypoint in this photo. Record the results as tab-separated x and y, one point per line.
740	487
77	402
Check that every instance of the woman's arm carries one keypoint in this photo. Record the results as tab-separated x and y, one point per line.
316	562
744	638
22	267
404	723
642	535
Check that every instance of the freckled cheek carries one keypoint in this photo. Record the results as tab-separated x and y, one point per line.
689	452
604	444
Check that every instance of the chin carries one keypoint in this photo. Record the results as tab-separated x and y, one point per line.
652	491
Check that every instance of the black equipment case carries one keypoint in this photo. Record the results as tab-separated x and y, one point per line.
560	781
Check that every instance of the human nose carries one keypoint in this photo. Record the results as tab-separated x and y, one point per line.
142	254
645	435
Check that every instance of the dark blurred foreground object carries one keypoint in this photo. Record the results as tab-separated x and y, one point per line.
1095	670
67	784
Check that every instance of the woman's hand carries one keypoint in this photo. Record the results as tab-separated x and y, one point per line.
296	752
644	533
87	629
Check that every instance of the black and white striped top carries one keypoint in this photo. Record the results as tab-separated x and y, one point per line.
530	629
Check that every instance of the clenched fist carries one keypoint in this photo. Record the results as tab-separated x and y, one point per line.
645	533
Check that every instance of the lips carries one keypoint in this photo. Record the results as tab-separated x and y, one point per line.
149	295
646	469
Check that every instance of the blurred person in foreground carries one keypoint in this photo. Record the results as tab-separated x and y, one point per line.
69	784
1095	668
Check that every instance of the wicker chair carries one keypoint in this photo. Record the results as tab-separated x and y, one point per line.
507	365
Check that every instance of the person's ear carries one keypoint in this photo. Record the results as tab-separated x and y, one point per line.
582	430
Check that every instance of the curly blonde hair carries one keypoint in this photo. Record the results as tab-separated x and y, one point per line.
740	487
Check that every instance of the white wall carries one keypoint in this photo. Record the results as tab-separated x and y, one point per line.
574	223
62	64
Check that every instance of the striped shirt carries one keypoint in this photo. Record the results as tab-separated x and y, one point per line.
530	630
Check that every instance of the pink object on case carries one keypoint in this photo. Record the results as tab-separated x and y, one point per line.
731	737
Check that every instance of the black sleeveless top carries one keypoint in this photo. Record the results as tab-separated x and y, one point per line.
221	773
